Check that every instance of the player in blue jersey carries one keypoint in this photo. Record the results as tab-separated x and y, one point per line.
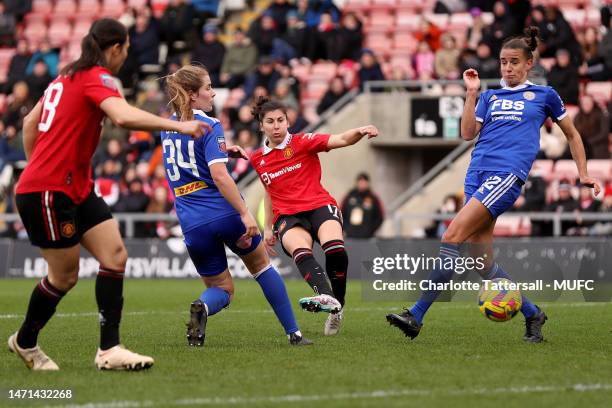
508	121
211	210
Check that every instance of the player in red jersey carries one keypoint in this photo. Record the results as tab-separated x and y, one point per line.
299	211
55	196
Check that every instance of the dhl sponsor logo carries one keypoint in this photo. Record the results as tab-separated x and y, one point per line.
189	188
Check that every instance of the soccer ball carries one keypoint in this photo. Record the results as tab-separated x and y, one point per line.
499	305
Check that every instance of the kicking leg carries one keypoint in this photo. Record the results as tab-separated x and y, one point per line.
336	266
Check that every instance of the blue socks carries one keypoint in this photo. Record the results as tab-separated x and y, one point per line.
215	299
275	292
438	275
528	309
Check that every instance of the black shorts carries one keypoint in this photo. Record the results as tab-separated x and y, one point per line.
53	220
311	221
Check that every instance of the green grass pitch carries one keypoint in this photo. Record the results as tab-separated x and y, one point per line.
460	359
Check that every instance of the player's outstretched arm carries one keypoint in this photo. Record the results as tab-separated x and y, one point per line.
127	116
470	127
30	129
350	137
229	190
577	149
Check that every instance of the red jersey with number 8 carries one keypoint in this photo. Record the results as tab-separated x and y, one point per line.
68	133
291	173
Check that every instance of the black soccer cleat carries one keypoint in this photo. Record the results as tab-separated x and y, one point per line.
406	322
297	340
196	327
533	327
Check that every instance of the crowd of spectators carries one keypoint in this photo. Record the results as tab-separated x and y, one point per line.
260	60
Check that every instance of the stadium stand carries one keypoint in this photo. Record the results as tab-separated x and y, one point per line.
390	28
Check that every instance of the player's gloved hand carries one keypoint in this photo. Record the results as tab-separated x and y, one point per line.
592	183
471	79
369	131
250	224
195	128
237	152
270	241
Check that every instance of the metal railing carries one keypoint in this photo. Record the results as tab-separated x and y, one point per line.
555	217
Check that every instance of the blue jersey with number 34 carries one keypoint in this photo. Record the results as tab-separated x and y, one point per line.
187	162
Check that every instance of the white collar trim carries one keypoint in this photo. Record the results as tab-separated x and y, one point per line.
267	149
200	112
515	88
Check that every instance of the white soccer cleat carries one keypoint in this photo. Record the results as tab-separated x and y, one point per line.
320	303
333	324
120	358
34	358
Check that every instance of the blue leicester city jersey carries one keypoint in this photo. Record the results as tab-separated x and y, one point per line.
511	120
187	161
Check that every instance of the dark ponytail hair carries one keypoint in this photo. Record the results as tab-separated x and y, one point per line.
104	33
265	105
528	42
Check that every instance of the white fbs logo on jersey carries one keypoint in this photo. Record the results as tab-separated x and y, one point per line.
507	109
268	177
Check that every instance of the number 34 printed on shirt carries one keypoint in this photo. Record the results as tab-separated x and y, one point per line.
174	157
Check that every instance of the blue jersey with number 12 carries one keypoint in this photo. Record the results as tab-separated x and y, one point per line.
187	161
511	120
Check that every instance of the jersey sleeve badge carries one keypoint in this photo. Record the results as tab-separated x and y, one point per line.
108	81
221	143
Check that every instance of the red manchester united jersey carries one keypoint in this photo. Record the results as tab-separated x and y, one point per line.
69	131
291	173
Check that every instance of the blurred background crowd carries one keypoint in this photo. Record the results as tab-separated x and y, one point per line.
307	54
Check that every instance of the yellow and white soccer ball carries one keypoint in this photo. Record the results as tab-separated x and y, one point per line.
499	305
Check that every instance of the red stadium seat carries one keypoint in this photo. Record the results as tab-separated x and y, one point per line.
512	226
440	20
35	18
410	4
544	167
137	3
158	7
112	8
356	5
301	71
593	17
315	89
381	19
601	169
576	17
380	43
80	29
59	33
42	6
566	169
600	91
405	41
64	9
460	21
387	5
88	10
323	70
408	20
34	33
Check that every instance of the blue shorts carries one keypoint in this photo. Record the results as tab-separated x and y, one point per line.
205	244
495	190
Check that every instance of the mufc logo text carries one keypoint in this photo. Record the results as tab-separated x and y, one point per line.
288	152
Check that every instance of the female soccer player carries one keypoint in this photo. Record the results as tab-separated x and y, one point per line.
299	210
509	121
55	196
211	210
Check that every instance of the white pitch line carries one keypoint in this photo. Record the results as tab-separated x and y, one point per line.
446	306
377	394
